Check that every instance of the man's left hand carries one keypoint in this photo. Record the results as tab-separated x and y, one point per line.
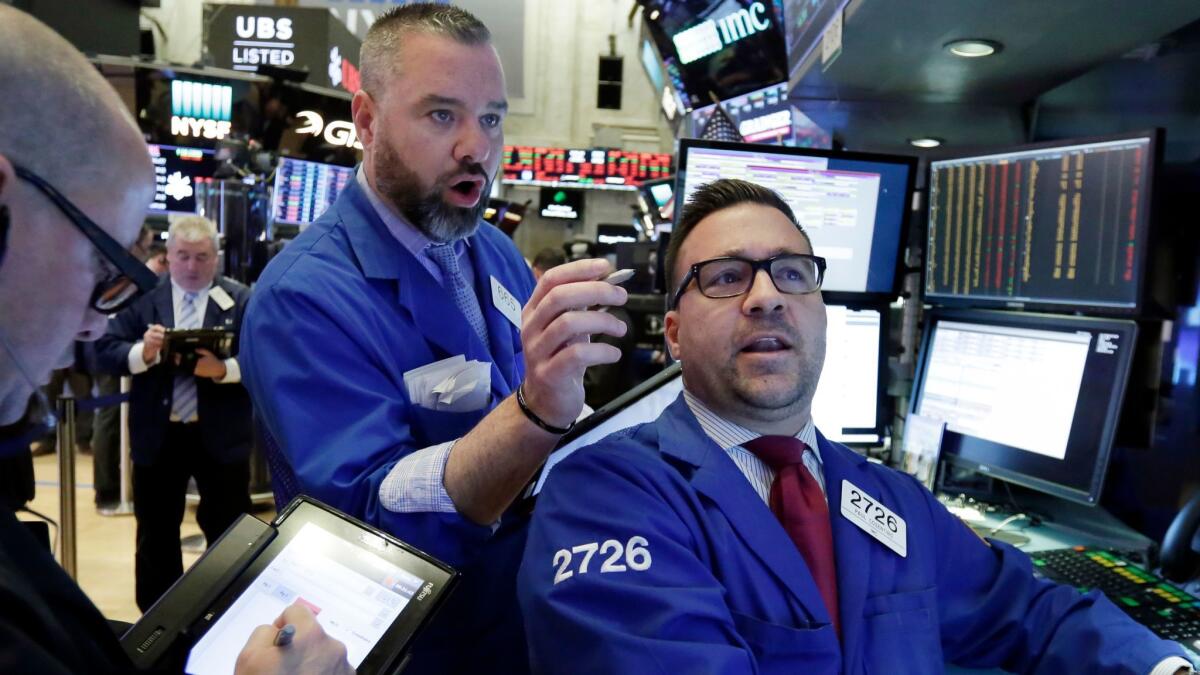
208	365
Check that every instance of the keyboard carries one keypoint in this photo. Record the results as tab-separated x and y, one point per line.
1155	603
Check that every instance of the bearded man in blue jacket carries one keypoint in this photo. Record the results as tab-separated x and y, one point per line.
401	275
729	536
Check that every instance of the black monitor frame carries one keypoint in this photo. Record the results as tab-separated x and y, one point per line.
1156	137
977	450
651	203
686	144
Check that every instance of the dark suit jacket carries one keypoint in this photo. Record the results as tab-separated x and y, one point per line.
47	625
224	409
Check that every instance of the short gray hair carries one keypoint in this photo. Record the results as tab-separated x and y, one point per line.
382	44
194	228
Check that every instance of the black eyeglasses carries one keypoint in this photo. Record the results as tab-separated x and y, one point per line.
123	277
792	273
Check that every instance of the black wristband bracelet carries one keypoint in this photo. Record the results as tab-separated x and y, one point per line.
533	416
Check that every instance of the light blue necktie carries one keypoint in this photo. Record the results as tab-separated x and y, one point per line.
183	403
464	296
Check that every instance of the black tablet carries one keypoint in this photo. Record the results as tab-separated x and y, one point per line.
185	342
367	589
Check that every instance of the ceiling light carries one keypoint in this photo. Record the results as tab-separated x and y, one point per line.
925	142
972	49
654	15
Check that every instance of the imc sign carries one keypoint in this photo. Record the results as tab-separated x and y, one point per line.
713	35
245	37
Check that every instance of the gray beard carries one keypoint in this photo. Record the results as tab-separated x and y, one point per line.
429	213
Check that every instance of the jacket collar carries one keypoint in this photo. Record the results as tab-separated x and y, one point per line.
382	257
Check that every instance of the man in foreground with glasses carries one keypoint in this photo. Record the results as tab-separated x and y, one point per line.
729	536
61	273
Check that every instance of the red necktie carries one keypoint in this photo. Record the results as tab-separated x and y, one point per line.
799	504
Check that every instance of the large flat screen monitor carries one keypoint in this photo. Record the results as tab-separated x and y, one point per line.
1054	226
1032	399
854	206
304	190
177	172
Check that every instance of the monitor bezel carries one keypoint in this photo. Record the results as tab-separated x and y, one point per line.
1034	320
686	144
652	203
1156	137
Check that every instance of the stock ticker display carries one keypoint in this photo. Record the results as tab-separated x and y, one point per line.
595	168
304	190
1061	225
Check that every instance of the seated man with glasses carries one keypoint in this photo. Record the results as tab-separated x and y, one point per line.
729	536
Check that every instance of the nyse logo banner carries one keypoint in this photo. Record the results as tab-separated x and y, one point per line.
200	109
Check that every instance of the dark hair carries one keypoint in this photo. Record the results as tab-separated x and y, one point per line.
383	38
549	257
717	196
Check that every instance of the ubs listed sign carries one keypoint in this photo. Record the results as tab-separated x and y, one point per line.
246	37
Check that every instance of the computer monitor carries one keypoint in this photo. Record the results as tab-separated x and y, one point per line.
1054	226
177	171
854	206
1032	399
659	198
849	406
304	190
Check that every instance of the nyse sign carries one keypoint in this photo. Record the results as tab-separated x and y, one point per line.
711	36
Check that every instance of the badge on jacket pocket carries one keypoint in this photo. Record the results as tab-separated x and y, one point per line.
874	518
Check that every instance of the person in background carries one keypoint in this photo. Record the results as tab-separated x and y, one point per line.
156	257
729	536
546	259
106	432
401	274
65	222
186	421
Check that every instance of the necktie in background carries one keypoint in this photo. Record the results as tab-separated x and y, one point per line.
799	504
183	402
464	296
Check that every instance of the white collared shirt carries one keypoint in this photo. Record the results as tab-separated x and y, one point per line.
732	438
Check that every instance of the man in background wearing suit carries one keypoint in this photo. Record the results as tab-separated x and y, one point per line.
182	424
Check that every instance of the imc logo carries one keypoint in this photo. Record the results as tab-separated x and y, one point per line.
709	37
263	28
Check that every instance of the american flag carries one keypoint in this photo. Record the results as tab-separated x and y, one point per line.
720	127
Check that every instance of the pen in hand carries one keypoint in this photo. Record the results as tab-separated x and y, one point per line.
284	637
616	279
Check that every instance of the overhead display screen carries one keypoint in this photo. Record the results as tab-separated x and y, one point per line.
604	169
726	47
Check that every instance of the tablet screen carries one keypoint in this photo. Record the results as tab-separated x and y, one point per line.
355	595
